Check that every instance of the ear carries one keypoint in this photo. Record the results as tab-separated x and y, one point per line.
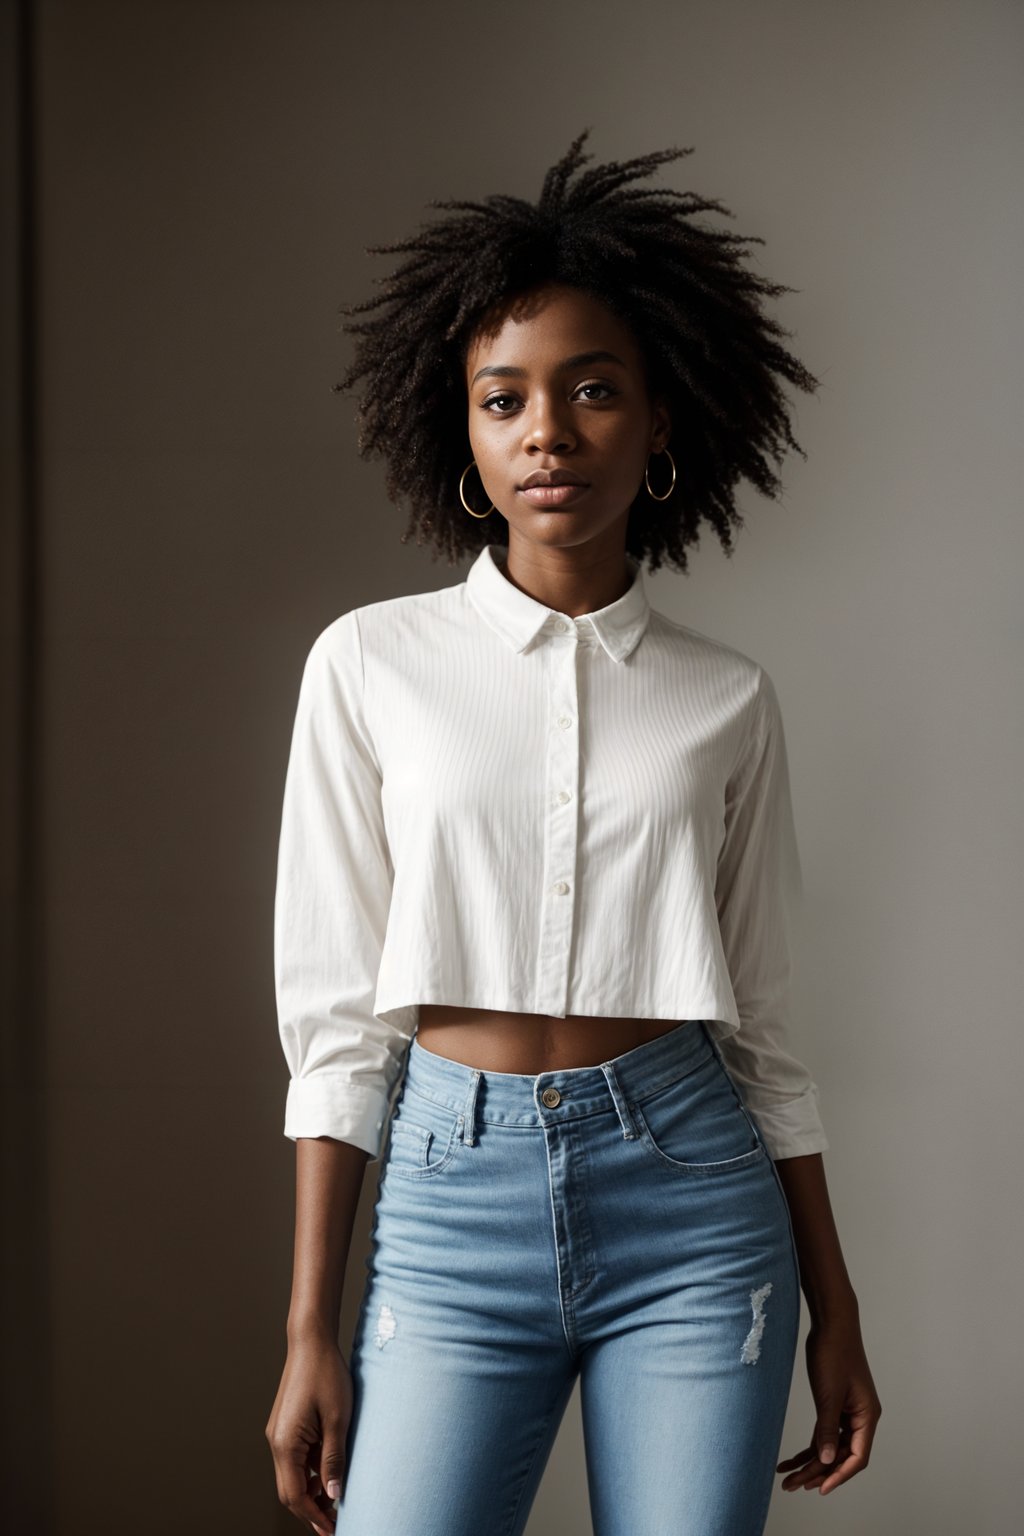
661	426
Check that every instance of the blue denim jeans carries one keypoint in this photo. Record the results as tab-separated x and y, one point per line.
622	1223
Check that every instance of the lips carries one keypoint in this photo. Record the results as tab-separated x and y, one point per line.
553	488
542	477
552	495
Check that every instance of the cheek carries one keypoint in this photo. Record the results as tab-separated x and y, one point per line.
626	444
476	423
490	445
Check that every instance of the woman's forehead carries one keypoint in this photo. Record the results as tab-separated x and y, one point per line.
547	321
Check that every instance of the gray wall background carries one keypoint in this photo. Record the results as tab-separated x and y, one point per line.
208	176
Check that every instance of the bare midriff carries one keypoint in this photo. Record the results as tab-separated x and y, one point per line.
497	1041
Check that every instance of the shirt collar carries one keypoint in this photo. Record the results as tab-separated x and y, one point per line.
518	617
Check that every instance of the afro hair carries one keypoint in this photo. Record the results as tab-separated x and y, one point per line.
683	287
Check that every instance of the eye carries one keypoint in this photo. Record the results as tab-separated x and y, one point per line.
505	404
596	391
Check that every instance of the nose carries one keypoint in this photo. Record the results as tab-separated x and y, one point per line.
547	427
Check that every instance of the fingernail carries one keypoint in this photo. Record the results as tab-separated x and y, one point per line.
828	1454
334	1489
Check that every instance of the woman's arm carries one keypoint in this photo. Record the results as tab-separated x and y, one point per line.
328	1182
309	1421
844	1393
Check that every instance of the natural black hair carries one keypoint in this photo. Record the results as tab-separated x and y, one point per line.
682	287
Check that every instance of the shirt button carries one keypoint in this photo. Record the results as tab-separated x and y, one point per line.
561	887
564	722
562	625
562	797
551	1097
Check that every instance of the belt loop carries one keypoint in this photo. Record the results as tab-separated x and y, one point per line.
469	1112
626	1120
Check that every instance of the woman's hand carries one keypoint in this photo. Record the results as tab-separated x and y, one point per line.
844	1393
847	1406
307	1430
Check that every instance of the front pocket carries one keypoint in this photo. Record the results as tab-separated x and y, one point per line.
698	1125
424	1137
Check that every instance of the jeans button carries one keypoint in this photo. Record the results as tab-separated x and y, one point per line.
551	1097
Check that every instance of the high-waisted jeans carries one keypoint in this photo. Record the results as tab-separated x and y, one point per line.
622	1223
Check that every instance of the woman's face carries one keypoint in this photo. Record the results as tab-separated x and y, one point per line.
560	418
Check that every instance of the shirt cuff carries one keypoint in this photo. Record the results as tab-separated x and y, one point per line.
331	1105
792	1128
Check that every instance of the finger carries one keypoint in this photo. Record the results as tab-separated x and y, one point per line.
859	1451
850	1467
816	1480
293	1488
826	1432
305	1508
803	1475
862	1437
814	1472
325	1523
797	1460
800	1479
332	1464
327	1514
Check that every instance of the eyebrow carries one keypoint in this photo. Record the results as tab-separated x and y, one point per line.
581	360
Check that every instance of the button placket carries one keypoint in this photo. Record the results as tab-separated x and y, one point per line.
558	893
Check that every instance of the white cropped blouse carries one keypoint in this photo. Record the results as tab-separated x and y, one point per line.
490	804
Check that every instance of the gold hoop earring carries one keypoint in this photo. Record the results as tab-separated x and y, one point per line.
647	477
462	494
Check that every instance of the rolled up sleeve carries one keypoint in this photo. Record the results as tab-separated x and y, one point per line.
333	894
758	889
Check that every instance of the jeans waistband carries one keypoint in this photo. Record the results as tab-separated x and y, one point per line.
567	1093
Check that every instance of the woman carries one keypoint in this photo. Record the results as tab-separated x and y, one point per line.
531	923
